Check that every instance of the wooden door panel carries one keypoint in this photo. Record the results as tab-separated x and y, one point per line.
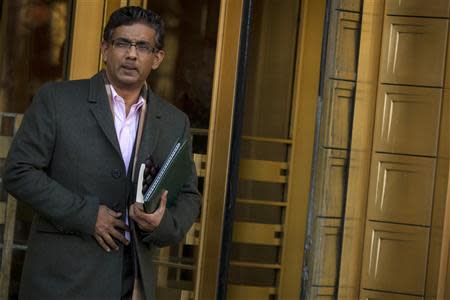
395	258
433	8
408	120
401	189
413	51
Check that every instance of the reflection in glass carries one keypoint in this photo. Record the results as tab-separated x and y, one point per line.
185	78
32	52
264	151
33	35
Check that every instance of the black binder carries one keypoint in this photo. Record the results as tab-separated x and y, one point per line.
171	177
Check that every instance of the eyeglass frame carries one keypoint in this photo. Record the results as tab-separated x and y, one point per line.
135	44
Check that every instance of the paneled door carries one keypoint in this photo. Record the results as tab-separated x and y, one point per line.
398	175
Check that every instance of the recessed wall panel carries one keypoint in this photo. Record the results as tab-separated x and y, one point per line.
338	105
326	252
395	258
331	185
408	120
413	51
401	189
323	293
419	8
346	45
350	5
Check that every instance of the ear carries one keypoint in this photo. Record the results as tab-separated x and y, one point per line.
157	59
104	49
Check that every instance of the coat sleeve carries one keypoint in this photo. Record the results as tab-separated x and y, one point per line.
178	218
27	166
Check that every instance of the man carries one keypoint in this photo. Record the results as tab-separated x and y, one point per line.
73	161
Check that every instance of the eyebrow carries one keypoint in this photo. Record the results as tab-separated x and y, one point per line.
130	40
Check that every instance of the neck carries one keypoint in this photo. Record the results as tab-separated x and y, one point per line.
130	96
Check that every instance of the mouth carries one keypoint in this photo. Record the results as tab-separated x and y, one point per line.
129	67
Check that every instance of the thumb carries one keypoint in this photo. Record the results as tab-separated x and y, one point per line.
113	213
164	199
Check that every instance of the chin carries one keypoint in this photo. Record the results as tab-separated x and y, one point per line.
130	81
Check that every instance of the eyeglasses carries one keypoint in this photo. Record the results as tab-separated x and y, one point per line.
142	47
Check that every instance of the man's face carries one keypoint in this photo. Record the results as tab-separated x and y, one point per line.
129	67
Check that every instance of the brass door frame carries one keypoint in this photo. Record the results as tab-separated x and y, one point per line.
443	287
86	38
306	86
219	141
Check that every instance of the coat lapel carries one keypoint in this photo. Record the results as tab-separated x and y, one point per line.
152	125
100	108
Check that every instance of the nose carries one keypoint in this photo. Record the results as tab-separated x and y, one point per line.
132	51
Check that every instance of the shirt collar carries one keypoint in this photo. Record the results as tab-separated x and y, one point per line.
117	98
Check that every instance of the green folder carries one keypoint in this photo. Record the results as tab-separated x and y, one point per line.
171	177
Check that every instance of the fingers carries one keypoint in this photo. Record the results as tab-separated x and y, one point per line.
107	239
149	178
110	242
120	237
150	171
145	221
106	242
136	211
115	214
150	167
102	243
117	223
106	232
163	203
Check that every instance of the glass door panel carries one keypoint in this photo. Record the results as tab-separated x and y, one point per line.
33	39
186	76
261	201
186	80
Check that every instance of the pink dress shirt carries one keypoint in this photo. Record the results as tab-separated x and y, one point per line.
126	129
126	126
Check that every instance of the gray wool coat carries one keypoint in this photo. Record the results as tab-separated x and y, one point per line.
64	162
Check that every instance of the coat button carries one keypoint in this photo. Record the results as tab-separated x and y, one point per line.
116	173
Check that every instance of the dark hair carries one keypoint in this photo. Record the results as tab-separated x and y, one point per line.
130	15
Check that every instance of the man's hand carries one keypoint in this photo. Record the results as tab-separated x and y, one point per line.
148	222
106	228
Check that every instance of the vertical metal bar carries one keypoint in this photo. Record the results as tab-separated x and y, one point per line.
85	38
68	43
233	173
306	87
311	215
219	140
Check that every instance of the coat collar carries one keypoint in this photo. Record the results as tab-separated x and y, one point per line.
100	107
152	127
